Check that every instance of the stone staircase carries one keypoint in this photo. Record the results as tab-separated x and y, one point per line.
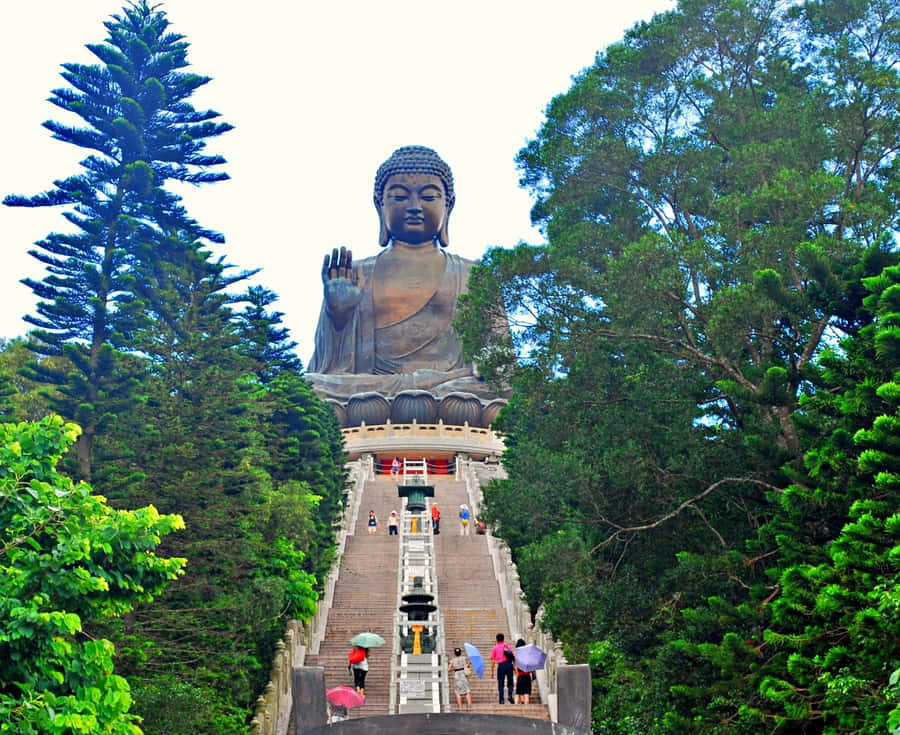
365	599
469	598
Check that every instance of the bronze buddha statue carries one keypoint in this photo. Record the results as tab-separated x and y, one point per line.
385	326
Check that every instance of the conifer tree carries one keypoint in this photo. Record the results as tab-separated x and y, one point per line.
26	399
141	133
835	623
263	337
253	468
189	394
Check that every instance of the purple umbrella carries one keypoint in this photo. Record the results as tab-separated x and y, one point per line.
475	658
530	658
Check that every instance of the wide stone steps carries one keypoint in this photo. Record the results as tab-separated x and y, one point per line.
365	598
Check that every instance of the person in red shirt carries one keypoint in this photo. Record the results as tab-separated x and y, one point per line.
435	519
523	681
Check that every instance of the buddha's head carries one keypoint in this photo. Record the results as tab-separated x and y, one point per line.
414	171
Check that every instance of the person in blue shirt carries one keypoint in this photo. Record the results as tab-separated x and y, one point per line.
464	520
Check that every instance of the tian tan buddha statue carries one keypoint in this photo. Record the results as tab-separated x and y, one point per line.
385	346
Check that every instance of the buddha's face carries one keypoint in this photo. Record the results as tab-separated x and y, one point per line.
414	207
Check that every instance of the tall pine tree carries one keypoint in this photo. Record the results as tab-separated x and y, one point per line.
142	133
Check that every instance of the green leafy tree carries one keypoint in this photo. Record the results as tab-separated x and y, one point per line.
747	655
718	194
813	650
714	190
67	561
142	133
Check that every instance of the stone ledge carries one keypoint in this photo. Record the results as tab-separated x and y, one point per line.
444	724
399	438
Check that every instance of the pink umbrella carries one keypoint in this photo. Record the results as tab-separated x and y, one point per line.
345	697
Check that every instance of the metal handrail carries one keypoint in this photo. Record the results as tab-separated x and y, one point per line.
417	550
417	468
451	467
395	638
440	639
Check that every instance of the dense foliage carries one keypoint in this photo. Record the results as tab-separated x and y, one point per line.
255	468
67	560
186	388
702	421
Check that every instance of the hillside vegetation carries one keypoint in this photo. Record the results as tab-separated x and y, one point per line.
703	434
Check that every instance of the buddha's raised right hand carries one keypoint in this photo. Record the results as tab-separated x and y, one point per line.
342	292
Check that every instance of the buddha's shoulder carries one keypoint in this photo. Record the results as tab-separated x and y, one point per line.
468	262
460	265
368	263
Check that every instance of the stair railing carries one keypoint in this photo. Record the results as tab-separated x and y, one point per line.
415	467
440	639
395	621
518	614
273	707
417	573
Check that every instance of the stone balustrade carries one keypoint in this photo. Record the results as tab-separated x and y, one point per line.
390	438
517	610
272	714
273	708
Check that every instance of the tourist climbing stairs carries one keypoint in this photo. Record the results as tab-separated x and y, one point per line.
365	599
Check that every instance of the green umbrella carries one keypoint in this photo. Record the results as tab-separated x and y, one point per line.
367	640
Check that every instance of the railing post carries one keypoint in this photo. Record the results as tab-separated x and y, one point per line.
259	716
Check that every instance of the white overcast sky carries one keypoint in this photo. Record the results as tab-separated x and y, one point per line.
320	93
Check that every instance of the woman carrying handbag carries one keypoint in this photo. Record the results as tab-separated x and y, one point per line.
460	668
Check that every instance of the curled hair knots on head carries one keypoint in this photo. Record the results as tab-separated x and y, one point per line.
414	159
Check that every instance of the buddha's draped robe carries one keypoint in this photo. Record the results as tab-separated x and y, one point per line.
420	352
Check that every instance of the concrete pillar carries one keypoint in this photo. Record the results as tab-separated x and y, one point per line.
573	687
309	705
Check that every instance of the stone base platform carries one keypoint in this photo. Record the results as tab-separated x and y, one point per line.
423	440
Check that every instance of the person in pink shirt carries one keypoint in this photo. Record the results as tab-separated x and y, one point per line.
501	655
